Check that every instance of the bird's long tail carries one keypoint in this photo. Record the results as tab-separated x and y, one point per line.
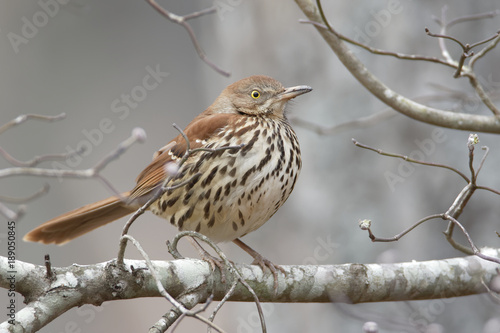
73	224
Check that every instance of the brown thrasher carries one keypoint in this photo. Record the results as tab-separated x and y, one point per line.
231	192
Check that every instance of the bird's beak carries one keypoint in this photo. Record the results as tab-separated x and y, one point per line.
293	92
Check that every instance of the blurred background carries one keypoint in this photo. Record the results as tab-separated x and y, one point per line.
84	57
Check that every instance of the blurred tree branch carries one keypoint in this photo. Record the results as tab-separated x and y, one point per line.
182	21
406	106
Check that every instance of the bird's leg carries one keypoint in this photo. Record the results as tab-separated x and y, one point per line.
213	261
261	261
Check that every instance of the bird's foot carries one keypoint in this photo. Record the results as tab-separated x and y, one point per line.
262	262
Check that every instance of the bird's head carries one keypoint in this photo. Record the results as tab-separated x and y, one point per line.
256	95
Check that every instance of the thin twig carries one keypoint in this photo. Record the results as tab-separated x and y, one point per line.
483	52
469	239
374	50
358	123
39	159
155	276
22	118
37	194
182	20
10	214
402	233
172	249
473	17
48	267
406	158
137	136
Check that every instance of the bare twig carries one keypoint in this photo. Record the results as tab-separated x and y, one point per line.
406	158
397	237
473	17
374	50
10	214
182	20
138	135
453	212
22	118
162	290
346	126
48	267
172	249
39	159
467	49
33	196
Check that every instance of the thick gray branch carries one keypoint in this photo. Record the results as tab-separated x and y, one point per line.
353	283
461	121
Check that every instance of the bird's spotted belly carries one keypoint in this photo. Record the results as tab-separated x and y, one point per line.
234	192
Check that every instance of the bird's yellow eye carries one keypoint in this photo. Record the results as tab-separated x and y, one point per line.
255	94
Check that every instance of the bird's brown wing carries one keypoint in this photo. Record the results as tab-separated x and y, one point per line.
198	131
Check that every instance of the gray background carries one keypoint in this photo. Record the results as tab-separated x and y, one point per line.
91	52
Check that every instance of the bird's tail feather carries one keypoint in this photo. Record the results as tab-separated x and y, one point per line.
73	224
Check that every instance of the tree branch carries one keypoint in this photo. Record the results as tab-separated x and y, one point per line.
408	107
349	283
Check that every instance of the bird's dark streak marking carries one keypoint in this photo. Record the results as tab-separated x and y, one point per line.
245	129
219	209
246	175
210	177
184	217
163	205
211	222
232	172
198	227
206	210
223	170
249	144
207	195
172	201
217	194
265	160
293	183
291	158
242	220
281	150
231	162
193	181
261	183
235	226
172	220
227	189
298	161
187	196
